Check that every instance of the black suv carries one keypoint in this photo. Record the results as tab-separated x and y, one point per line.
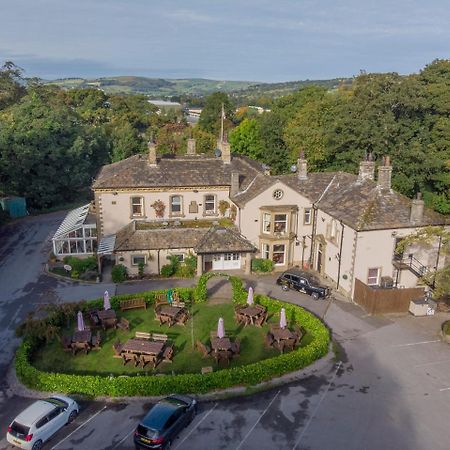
303	282
164	421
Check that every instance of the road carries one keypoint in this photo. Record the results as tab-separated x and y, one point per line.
389	387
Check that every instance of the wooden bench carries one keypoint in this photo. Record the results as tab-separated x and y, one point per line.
143	335
160	337
133	303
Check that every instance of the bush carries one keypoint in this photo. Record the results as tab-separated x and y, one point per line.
167	270
81	265
186	383
141	266
188	268
119	273
262	265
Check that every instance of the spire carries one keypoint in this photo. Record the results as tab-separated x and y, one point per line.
222	118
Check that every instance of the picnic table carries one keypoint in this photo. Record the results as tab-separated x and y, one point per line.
221	344
282	334
171	314
106	314
140	346
252	312
82	337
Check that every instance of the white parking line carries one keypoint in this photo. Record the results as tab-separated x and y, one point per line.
76	429
317	407
196	426
256	423
444	389
416	343
125	437
432	363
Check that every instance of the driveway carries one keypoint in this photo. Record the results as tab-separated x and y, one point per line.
389	387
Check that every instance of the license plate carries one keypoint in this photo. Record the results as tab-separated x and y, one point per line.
145	441
17	442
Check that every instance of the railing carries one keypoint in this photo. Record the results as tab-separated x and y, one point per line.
413	264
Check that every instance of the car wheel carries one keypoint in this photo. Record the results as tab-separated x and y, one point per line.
37	445
285	287
72	416
315	296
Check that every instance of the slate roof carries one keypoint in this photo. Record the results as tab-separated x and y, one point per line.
203	240
221	239
183	171
365	206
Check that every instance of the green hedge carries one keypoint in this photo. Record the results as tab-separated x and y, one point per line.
185	383
262	265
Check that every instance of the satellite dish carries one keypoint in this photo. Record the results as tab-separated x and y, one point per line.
218	152
293	168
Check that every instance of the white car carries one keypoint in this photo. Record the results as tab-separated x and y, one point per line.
32	427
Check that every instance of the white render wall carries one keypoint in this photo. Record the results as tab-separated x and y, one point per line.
115	209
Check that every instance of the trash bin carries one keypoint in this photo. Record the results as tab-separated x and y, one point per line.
422	307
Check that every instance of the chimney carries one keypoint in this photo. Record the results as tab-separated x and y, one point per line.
385	174
302	167
367	169
234	189
226	151
417	207
152	154
191	147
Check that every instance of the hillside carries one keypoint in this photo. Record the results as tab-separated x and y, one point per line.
161	87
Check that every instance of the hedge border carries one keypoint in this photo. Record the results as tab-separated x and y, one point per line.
151	385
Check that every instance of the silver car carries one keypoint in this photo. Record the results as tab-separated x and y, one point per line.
32	427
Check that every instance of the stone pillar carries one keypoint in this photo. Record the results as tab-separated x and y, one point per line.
385	174
152	154
199	265
191	147
248	263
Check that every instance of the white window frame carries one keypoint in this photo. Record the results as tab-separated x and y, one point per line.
180	204
275	222
266	220
265	251
307	216
141	205
377	278
180	256
206	202
133	263
274	252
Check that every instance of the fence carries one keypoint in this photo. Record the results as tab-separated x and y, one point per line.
384	301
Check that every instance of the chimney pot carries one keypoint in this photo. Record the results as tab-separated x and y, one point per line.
302	167
385	174
152	154
191	147
417	208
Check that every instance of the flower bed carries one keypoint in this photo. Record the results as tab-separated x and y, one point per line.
184	383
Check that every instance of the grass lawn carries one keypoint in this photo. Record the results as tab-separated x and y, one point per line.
186	359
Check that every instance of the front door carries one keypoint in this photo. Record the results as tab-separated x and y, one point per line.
319	258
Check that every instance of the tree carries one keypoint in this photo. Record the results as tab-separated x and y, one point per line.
125	141
12	85
205	142
246	139
210	117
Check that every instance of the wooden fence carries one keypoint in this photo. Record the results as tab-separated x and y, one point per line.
385	301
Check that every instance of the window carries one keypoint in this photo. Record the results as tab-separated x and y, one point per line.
179	256
266	223
175	205
138	259
265	251
333	229
137	206
210	204
231	256
277	194
307	216
278	254
373	276
280	223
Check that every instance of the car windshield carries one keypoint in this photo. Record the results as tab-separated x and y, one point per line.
19	430
57	402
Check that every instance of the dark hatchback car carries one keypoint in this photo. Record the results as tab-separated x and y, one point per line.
164	421
303	282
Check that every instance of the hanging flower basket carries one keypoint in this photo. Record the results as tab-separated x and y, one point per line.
159	208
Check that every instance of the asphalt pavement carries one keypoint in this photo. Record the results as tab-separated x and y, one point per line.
388	387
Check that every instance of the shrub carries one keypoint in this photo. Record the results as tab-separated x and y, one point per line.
262	265
446	328
81	265
188	268
167	270
119	273
141	266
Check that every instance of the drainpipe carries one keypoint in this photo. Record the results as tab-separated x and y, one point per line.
437	262
313	236
159	269
340	256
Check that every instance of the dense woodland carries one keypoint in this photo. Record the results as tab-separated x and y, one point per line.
53	141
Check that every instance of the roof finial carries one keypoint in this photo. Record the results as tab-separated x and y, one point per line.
222	118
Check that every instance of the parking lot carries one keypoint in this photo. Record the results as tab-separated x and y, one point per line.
389	386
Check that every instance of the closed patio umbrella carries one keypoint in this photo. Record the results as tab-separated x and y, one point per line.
220	329
250	296
283	321
80	321
106	302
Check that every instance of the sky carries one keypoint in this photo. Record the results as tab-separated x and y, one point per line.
253	40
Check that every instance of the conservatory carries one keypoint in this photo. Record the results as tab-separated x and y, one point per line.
77	235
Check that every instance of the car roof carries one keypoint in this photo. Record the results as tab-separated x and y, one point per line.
34	412
158	415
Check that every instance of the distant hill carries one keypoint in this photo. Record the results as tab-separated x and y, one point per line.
161	87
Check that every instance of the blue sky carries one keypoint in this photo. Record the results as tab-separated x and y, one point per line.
275	40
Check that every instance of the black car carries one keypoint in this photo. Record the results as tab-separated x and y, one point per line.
164	421
303	282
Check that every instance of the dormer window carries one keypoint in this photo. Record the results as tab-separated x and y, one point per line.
137	206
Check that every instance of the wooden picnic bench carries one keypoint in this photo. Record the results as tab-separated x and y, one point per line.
143	335
160	337
133	303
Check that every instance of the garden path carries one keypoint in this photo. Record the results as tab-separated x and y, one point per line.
219	291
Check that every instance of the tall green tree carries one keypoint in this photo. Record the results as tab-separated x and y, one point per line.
210	117
246	139
12	84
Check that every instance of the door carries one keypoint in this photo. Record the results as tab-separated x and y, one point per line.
319	258
226	261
